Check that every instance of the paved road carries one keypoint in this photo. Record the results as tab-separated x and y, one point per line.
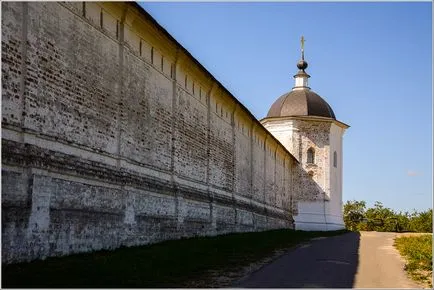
366	260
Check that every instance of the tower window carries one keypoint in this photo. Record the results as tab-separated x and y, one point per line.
311	155
335	159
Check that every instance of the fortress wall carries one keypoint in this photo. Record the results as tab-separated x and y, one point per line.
12	64
191	136
258	163
290	185
243	154
113	135
67	57
279	178
270	171
221	150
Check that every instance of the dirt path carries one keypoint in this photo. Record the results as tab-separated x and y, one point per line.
353	260
380	264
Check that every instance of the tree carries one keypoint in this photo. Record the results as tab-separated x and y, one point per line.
354	212
421	221
381	218
402	222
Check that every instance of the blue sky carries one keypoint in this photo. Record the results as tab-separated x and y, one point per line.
372	62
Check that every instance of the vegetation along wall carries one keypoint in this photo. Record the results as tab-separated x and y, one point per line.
114	135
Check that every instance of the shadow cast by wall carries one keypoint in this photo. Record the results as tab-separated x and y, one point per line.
324	263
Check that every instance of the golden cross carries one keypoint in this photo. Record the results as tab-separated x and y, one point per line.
302	47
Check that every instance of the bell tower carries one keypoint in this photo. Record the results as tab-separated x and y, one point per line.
306	125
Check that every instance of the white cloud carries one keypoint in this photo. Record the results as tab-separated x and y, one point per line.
413	173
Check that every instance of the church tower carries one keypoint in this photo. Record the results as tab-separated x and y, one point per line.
307	126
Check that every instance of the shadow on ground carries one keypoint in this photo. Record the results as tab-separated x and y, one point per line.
321	263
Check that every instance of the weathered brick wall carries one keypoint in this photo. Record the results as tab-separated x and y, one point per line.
113	135
258	166
191	136
270	164
12	65
279	179
145	107
314	180
243	155
64	56
221	150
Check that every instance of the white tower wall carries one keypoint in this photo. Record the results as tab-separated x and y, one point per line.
318	196
335	205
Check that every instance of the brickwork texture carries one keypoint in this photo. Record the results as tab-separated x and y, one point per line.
114	135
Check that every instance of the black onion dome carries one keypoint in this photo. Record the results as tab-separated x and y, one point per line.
302	64
302	102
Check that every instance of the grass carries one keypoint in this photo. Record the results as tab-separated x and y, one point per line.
418	252
163	265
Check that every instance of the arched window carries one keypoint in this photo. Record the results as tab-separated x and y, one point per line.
311	155
335	159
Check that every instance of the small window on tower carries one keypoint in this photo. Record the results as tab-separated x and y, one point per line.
311	155
335	159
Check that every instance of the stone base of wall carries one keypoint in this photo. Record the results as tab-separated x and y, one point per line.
314	216
54	205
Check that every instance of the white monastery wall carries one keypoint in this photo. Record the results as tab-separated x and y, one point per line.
113	135
243	155
258	164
